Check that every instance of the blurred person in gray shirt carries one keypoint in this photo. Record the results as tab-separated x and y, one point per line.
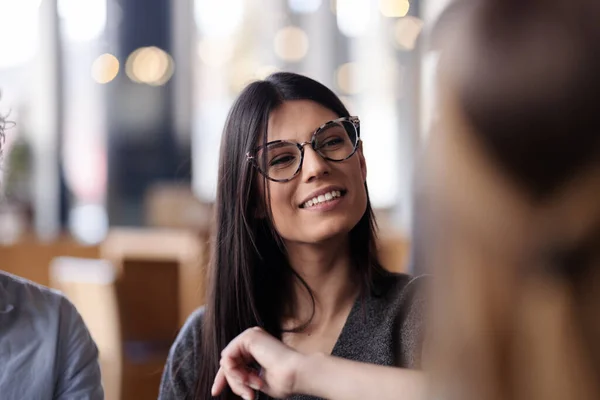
46	351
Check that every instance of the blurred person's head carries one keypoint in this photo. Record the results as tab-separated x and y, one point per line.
291	173
510	197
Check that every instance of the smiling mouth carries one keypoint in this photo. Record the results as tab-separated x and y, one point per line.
324	198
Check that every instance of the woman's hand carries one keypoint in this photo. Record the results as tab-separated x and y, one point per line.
279	365
286	372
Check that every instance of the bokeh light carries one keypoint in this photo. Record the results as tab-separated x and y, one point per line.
218	18
105	68
215	52
20	21
346	78
406	32
82	21
394	8
304	6
149	65
291	44
353	16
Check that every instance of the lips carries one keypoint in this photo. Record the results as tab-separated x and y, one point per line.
323	196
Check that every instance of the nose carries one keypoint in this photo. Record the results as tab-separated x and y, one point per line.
314	166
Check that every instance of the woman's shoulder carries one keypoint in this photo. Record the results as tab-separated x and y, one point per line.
404	303
180	373
396	286
193	324
189	336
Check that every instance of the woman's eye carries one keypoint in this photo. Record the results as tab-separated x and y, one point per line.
333	142
281	160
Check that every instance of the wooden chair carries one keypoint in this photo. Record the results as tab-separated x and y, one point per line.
160	282
185	250
90	285
29	257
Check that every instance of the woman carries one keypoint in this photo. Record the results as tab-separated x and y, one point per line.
508	220
295	249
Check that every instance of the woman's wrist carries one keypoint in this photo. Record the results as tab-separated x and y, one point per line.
304	377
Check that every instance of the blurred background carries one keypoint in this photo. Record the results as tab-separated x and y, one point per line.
115	111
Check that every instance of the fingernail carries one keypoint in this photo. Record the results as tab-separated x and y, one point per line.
255	383
246	397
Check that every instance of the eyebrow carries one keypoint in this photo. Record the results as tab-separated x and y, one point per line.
311	132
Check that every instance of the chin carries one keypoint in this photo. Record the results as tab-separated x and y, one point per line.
324	233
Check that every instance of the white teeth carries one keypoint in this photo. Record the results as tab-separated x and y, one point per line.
322	198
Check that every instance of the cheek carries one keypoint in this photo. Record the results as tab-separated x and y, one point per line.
360	202
282	207
354	178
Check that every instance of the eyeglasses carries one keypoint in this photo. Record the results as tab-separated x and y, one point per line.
281	160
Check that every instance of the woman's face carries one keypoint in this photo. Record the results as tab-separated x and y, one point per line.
297	217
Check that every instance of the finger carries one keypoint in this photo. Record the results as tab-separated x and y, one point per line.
254	380
242	373
220	383
235	370
238	347
245	345
239	387
238	354
236	359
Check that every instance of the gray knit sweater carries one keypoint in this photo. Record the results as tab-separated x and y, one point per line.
385	328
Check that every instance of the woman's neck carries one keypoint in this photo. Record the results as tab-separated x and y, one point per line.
327	269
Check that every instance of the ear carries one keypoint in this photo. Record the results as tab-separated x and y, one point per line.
361	160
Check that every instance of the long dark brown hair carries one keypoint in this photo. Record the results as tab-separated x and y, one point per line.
524	78
250	277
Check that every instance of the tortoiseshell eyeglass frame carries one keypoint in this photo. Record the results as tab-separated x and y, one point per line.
354	120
